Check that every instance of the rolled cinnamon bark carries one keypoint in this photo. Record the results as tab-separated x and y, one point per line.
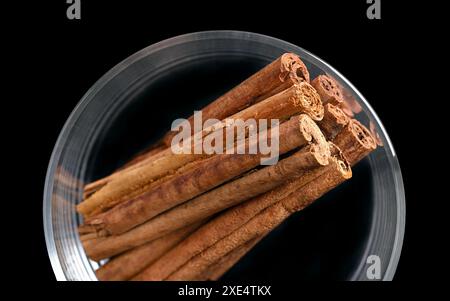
208	174
282	73
229	194
279	75
299	98
207	204
197	265
258	225
230	221
92	187
141	159
132	182
150	185
350	106
128	264
355	141
328	90
334	120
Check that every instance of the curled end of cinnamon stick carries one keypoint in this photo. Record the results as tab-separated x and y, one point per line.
334	120
356	141
293	67
337	114
344	168
350	105
321	153
308	98
312	133
328	90
363	134
338	158
341	163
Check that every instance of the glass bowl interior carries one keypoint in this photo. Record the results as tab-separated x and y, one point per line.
134	104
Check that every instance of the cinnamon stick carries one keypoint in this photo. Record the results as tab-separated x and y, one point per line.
259	224
279	75
141	159
328	90
350	106
174	173
227	222
355	141
216	200
229	194
130	183
208	174
334	120
128	264
198	264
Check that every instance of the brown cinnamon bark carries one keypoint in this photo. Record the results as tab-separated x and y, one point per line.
128	264
208	174
230	221
334	120
299	98
205	205
350	106
88	236
154	183
282	73
92	187
258	225
328	90
355	141
279	75
130	183
138	161
229	194
225	263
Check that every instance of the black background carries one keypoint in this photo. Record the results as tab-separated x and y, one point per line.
59	59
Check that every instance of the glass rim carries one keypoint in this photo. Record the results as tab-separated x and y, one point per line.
205	35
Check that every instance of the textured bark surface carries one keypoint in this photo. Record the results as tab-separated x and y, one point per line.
263	222
225	263
355	141
305	131
279	75
134	181
328	90
208	174
128	264
334	120
295	166
235	218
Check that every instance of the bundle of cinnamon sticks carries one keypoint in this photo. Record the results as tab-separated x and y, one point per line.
192	216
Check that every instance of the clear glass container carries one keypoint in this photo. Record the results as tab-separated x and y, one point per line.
134	103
